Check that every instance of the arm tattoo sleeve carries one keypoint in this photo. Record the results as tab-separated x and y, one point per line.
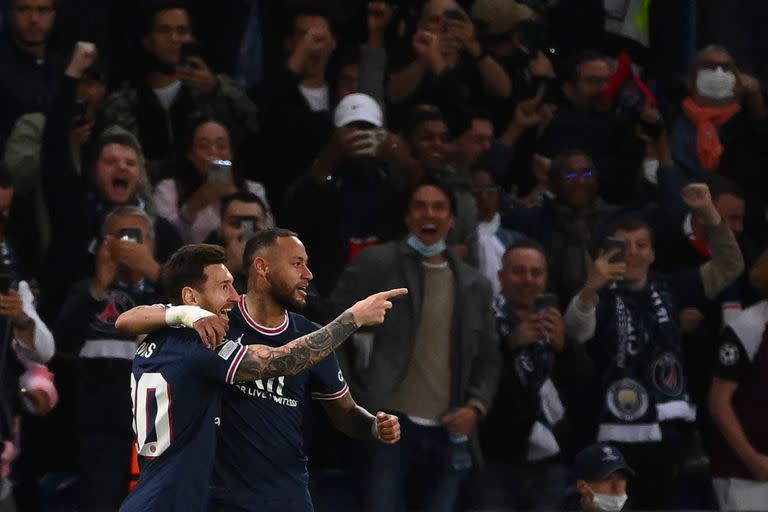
262	362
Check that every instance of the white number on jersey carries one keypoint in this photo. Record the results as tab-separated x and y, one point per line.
151	387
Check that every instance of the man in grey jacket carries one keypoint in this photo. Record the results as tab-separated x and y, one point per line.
435	363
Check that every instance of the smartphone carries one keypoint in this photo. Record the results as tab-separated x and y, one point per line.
190	49
370	142
454	14
545	301
610	243
247	227
130	235
79	117
221	171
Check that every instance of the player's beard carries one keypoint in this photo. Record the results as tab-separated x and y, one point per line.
285	295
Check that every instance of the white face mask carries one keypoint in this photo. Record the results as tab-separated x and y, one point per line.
651	170
608	503
716	84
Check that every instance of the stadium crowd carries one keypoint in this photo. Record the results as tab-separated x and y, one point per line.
572	192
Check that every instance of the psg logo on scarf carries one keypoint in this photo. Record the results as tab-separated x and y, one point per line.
667	375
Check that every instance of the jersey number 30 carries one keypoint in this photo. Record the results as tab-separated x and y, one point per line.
151	414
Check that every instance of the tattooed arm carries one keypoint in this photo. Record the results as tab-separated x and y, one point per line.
261	361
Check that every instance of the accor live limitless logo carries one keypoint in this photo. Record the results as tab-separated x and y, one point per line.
269	389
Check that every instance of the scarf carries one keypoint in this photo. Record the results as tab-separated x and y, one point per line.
644	379
532	368
706	120
490	249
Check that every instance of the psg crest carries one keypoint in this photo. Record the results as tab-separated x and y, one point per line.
667	375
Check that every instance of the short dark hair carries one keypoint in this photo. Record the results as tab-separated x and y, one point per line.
261	240
309	8
416	117
242	196
156	7
559	162
719	185
524	244
117	137
186	267
432	180
573	68
630	222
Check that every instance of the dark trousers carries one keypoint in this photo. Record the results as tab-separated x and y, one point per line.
105	473
415	474
656	467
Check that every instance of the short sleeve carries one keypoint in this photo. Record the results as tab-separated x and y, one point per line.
731	358
220	364
326	381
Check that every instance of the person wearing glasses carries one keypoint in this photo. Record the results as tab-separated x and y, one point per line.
567	221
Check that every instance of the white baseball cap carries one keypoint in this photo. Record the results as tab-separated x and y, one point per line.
358	107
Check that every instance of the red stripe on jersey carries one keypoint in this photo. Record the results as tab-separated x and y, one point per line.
269	331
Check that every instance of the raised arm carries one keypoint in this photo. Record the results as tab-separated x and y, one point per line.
727	262
261	361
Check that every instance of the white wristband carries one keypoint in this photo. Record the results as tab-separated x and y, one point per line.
185	316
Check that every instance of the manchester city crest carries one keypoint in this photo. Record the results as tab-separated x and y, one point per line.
627	399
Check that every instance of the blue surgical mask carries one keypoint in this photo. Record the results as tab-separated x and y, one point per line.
426	251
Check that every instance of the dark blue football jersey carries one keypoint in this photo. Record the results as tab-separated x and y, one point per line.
260	457
176	386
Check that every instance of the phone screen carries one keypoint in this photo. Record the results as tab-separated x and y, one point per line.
131	235
545	301
221	170
610	243
189	49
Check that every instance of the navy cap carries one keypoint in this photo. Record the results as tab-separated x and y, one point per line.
598	462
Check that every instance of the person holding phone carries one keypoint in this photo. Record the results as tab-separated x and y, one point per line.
522	435
25	341
242	216
191	201
124	277
177	86
628	317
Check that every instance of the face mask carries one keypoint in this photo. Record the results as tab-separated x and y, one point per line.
426	251
716	84
608	503
650	171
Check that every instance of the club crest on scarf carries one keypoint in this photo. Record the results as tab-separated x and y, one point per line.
627	399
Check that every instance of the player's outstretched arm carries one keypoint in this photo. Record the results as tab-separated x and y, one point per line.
145	319
261	361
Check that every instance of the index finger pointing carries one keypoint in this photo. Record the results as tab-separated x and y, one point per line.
395	292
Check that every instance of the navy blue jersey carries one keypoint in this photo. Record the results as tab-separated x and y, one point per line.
260	457
176	385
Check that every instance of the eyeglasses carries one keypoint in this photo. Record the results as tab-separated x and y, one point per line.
576	175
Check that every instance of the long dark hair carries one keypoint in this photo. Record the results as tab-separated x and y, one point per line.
187	178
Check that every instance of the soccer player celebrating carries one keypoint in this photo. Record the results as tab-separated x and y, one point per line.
177	382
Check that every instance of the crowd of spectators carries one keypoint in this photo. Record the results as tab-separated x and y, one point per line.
572	192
